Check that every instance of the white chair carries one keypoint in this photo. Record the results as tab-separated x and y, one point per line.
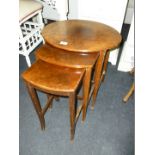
30	26
54	10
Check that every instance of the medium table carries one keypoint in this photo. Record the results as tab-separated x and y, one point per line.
85	37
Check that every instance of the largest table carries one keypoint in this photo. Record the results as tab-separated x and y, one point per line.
85	37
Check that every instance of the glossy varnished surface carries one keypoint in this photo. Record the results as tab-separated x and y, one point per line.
53	78
64	58
81	35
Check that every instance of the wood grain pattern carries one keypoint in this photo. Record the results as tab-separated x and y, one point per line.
54	80
61	57
81	35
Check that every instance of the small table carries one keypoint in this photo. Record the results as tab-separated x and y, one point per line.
85	37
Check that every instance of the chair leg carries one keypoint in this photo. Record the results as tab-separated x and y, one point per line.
131	90
86	89
28	61
97	77
72	115
36	103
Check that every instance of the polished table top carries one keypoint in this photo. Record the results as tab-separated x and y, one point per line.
81	36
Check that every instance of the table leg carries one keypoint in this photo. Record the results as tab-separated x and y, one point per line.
36	103
86	90
105	65
72	115
97	77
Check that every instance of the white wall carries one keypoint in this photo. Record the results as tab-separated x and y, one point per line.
110	12
129	12
126	62
73	9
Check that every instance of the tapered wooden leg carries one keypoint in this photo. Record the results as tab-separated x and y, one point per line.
97	77
36	103
86	89
72	115
56	98
130	92
50	98
105	65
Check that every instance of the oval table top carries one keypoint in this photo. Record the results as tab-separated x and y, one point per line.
81	36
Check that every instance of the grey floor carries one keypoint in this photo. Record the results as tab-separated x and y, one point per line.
108	130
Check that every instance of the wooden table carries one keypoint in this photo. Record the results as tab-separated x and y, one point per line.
85	37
